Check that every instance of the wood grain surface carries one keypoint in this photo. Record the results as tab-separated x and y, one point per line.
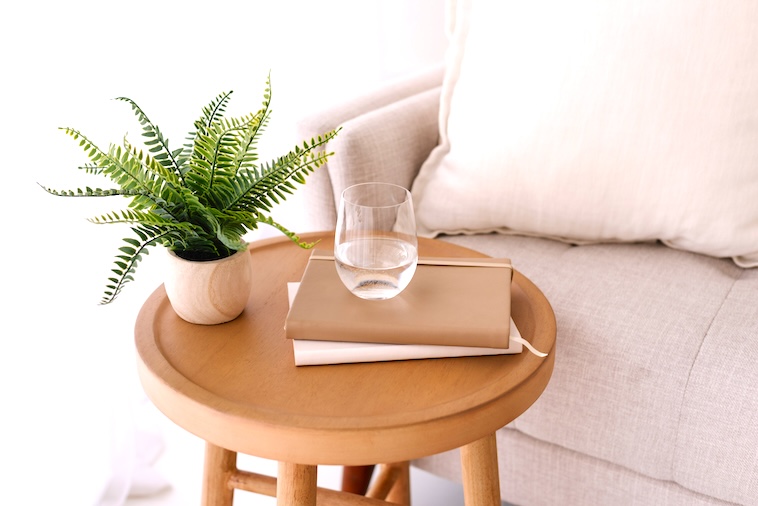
236	385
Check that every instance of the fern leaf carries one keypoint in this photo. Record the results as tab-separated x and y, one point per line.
94	153
126	264
216	108
210	115
257	189
90	192
141	217
200	199
155	138
294	237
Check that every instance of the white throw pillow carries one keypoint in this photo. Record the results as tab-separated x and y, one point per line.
596	121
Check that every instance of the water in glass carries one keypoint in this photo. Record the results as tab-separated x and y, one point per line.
375	241
376	268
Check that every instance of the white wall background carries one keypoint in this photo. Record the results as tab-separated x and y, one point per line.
66	364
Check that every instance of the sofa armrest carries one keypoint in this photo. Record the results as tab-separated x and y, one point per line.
386	135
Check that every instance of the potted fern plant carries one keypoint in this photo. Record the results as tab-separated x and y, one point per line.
198	201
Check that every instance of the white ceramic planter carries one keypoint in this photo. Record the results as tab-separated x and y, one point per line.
211	292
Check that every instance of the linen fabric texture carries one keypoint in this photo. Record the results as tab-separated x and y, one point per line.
587	121
387	134
655	377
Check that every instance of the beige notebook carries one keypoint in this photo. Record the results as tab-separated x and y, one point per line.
449	301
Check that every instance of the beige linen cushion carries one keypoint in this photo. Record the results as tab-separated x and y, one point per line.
591	121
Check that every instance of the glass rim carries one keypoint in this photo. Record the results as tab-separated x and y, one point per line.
405	191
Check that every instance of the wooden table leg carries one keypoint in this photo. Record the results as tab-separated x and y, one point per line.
356	479
481	481
220	463
401	492
296	485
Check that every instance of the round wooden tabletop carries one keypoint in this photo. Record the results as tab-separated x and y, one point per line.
236	385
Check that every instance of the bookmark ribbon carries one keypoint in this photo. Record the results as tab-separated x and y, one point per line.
528	346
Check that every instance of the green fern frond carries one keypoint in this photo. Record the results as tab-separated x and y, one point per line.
165	185
220	151
91	168
140	217
262	189
216	108
94	153
125	170
201	199
210	115
293	237
129	257
156	143
90	192
152	164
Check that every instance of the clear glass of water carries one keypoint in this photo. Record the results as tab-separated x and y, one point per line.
375	245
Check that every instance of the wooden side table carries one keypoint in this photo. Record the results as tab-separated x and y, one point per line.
236	386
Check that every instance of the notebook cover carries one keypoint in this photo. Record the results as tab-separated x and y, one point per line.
449	301
309	352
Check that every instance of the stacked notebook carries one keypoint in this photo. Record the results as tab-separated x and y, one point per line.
453	307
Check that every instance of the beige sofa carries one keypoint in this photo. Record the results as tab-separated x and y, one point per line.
654	397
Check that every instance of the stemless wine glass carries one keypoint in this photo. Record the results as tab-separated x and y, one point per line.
375	246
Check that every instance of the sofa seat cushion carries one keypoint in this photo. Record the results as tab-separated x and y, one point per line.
657	359
537	473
